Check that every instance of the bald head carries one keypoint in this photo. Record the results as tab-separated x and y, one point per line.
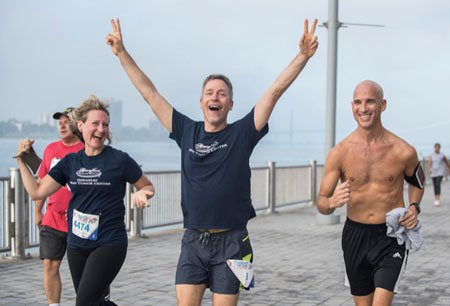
369	85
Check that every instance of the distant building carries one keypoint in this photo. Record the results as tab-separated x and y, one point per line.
46	119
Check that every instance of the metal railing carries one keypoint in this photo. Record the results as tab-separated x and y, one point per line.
5	218
272	188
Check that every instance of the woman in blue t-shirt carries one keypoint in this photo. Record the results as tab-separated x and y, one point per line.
97	177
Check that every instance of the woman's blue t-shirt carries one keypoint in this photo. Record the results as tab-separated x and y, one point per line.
98	185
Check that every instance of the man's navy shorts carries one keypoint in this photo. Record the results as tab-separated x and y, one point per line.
205	262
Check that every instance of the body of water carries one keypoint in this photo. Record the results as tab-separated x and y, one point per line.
165	155
282	147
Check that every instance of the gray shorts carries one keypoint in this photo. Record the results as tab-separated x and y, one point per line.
206	263
53	243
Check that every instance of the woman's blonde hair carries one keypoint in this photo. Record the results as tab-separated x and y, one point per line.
80	114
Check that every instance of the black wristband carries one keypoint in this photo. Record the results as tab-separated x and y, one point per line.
417	205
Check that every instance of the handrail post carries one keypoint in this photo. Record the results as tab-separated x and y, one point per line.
313	180
134	215
7	213
137	222
271	187
17	204
128	209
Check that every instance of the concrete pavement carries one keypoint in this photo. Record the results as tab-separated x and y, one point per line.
297	262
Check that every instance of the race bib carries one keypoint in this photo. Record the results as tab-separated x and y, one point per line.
84	225
243	271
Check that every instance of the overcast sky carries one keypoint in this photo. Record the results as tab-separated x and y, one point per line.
53	54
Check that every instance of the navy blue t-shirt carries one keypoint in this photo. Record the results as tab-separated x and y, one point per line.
215	171
98	185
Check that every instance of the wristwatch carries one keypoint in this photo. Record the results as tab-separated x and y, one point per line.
417	205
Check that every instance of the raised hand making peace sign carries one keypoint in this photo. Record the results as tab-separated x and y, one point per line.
114	39
308	42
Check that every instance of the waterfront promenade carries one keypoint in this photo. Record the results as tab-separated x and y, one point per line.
297	262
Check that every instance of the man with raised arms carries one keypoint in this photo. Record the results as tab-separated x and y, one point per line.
215	170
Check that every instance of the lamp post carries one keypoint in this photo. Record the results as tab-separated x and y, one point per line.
330	117
332	26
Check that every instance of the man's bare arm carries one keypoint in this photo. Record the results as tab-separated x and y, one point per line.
415	194
159	105
38	212
266	104
330	197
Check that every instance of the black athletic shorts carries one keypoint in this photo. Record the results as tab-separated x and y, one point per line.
371	258
206	263
53	243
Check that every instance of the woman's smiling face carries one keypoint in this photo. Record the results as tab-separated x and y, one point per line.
95	131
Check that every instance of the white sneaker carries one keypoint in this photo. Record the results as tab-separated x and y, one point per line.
437	203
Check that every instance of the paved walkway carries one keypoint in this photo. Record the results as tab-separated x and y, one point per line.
297	263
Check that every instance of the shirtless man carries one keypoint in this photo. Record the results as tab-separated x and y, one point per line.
372	163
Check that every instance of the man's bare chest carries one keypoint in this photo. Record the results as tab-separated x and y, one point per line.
364	166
